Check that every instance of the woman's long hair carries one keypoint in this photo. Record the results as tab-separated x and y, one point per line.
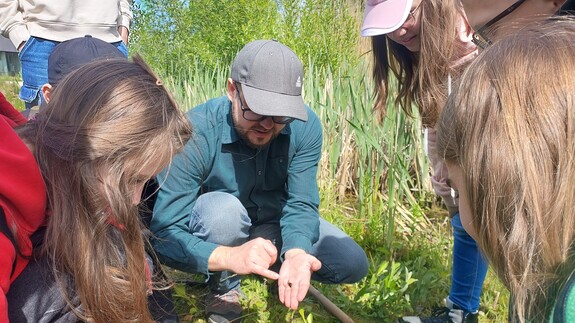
510	126
422	77
108	124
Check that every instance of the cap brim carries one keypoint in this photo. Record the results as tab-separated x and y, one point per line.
274	104
385	17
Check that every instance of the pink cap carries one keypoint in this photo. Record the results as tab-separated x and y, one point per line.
384	16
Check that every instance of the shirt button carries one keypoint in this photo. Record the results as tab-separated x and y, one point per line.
259	208
259	172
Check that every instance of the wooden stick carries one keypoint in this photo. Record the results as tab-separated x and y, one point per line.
330	306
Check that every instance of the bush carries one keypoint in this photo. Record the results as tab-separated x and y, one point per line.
173	33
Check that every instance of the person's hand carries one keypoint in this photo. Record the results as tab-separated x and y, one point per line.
295	276
123	31
252	257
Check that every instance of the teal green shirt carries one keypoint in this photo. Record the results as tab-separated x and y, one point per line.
276	184
564	310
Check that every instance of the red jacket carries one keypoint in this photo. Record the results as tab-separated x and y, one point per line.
23	199
11	115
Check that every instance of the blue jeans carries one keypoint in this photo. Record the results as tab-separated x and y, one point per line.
34	60
220	218
469	269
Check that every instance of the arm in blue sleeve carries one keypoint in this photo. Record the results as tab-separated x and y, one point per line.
180	184
300	219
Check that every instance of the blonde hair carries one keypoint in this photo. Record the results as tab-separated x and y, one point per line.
105	123
510	126
422	77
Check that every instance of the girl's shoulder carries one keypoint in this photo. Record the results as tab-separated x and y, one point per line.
564	310
466	51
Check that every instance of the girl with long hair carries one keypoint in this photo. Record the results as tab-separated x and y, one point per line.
109	127
423	44
507	134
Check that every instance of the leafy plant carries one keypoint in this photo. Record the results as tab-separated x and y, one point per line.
384	292
306	318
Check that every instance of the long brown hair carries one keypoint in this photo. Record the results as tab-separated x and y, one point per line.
105	123
510	126
422	77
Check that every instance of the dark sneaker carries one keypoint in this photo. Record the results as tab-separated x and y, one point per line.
449	314
224	308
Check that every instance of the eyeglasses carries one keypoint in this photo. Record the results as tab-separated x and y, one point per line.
252	116
413	12
479	37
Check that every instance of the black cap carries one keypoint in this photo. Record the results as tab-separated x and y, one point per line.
71	54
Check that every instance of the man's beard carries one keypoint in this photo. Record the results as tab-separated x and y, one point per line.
243	133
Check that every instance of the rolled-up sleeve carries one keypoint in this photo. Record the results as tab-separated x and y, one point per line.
12	23
125	16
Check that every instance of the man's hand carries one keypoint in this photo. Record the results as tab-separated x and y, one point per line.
252	257
295	276
123	31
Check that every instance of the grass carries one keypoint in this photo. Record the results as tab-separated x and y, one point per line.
374	184
9	86
386	294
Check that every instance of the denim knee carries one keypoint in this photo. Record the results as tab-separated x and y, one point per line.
355	268
360	266
343	260
220	218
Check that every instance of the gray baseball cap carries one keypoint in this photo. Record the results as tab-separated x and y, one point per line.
271	76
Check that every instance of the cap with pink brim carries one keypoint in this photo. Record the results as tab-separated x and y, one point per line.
384	16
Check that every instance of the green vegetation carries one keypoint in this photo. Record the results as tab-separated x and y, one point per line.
374	177
174	33
9	86
375	186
